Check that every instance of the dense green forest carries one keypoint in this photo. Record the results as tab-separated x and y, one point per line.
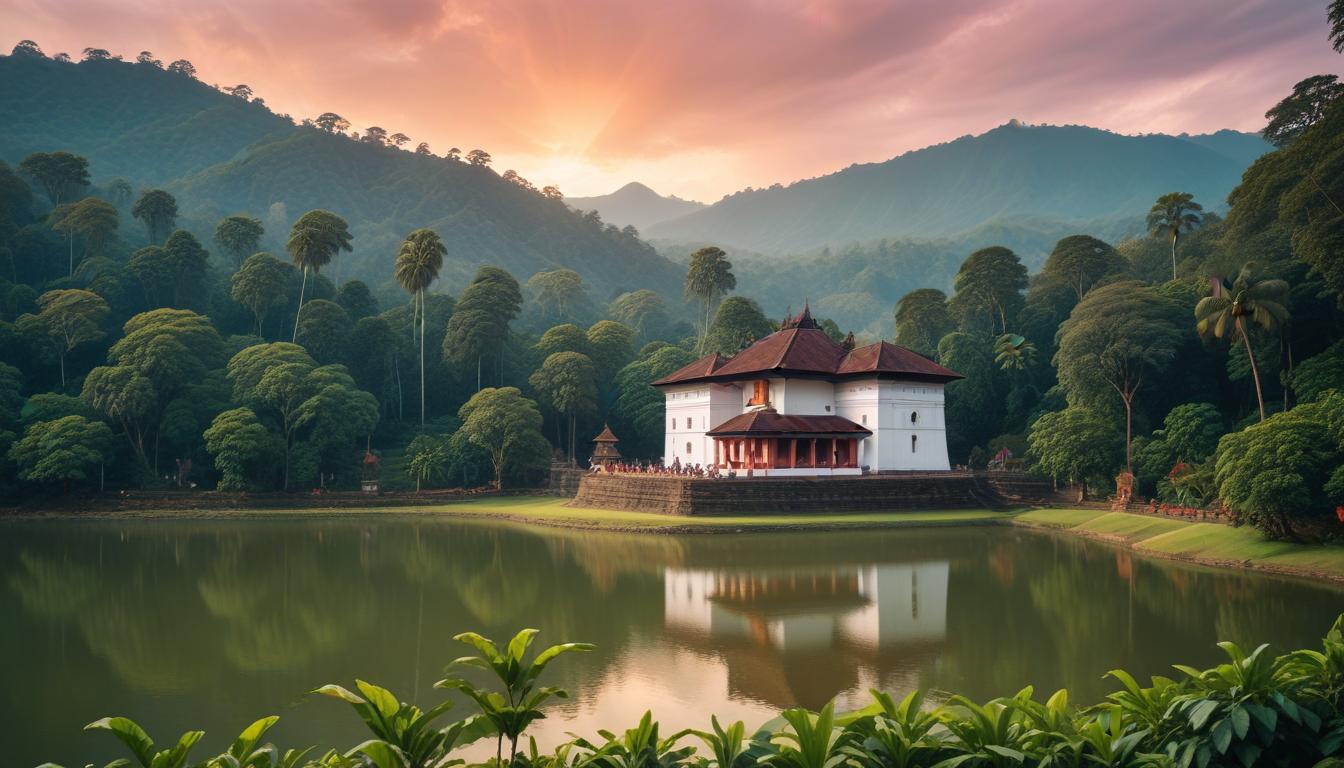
222	151
136	352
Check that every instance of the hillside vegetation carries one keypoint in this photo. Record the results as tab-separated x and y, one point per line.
219	154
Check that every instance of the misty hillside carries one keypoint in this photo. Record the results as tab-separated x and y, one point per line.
1065	174
222	155
635	205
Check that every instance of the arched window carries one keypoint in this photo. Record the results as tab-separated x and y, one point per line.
688	449
914	443
914	417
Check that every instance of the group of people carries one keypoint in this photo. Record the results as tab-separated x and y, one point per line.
675	469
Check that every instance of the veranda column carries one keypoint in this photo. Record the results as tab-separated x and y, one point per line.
716	452
813	451
793	453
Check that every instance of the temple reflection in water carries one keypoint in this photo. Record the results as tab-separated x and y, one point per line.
771	624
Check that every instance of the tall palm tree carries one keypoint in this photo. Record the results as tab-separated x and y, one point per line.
1171	213
1249	296
314	240
418	263
708	279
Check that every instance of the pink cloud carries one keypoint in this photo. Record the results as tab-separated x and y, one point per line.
753	91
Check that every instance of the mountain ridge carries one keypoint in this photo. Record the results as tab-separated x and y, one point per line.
221	155
942	190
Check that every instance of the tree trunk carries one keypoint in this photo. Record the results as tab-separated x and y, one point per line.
61	355
1175	236
422	357
71	239
396	367
285	487
1255	370
303	285
1129	422
478	373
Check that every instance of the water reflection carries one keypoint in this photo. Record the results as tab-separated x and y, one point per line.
212	623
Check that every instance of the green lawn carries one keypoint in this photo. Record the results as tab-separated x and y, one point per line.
553	511
1204	541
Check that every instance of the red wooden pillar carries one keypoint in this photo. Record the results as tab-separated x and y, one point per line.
716	451
813	452
793	453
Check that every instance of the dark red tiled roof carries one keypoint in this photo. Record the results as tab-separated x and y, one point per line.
606	436
885	357
804	350
705	366
769	422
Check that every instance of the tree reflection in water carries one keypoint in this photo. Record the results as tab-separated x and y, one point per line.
212	622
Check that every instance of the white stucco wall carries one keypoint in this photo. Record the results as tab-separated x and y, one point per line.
691	411
885	407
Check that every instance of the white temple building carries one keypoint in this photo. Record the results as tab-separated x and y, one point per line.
798	403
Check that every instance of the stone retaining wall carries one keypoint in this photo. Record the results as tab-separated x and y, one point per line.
791	495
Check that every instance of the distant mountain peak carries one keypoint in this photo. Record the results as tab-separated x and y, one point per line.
637	205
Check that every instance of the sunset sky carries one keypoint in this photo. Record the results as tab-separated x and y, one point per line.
704	97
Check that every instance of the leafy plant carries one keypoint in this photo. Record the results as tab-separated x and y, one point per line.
519	702
812	740
638	747
404	735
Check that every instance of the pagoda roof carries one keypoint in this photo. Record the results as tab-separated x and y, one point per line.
606	436
803	349
767	421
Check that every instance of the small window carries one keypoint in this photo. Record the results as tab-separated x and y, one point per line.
865	419
914	417
688	449
688	422
914	443
828	409
674	425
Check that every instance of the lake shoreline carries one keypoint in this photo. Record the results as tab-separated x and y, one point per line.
1207	544
1132	537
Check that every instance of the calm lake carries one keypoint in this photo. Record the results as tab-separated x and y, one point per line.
182	624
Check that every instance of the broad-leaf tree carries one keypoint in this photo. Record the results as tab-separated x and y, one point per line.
1301	109
567	381
64	451
91	218
417	266
61	175
507	426
922	320
260	285
239	236
158	211
1073	445
480	321
67	319
738	323
1118	339
1080	262
988	287
240	445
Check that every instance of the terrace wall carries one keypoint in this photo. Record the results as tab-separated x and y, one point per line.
790	495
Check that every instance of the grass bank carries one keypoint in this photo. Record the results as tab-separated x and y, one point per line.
547	510
1207	543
